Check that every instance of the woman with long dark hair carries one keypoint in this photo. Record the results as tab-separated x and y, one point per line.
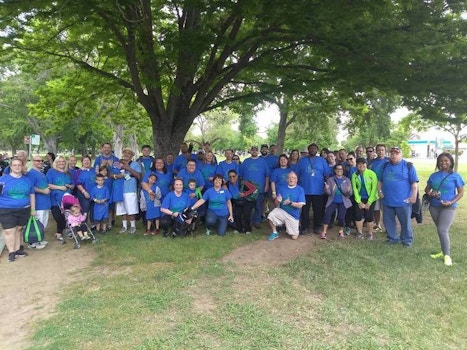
445	188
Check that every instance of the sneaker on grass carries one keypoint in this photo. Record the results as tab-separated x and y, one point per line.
132	230
437	255
273	236
447	260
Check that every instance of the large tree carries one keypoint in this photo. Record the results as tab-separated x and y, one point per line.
179	58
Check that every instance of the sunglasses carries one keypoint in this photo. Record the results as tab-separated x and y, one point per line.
38	160
349	159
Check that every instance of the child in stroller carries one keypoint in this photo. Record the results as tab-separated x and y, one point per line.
77	222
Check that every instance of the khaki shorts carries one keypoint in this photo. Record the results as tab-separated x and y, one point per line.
280	217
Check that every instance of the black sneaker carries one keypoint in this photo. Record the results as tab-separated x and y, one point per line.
11	257
20	254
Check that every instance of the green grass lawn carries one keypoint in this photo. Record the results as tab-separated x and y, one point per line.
178	294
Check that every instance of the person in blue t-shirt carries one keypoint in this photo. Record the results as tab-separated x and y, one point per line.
290	200
398	188
182	159
191	172
377	166
146	159
17	204
255	169
228	164
219	209
313	170
42	196
445	188
106	157
100	195
173	205
208	169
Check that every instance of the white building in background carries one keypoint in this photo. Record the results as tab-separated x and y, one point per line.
430	143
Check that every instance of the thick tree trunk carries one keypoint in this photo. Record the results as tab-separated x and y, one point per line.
51	144
168	142
284	113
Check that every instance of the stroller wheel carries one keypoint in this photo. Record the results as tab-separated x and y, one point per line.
76	245
95	240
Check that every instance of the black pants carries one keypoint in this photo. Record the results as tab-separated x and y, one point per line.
316	202
242	215
59	219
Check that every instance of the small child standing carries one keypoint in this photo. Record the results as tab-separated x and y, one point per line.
76	220
100	196
108	182
153	205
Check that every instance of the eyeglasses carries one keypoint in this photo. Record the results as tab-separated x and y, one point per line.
349	159
38	160
369	151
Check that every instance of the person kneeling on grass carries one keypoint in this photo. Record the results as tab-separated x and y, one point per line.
290	199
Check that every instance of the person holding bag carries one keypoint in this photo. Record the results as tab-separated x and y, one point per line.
17	204
444	188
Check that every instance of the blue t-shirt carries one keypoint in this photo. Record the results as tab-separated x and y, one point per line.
312	172
101	157
448	187
130	184
186	176
397	180
192	200
272	160
87	179
16	191
208	170
279	176
217	200
146	163
164	181
223	169
100	193
176	203
295	194
58	178
39	180
377	166
255	170
181	160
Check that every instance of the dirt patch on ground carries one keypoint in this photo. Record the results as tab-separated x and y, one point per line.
31	288
273	253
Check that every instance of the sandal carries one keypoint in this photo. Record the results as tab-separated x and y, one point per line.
323	235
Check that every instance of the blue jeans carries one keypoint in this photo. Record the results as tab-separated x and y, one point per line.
258	209
403	215
212	219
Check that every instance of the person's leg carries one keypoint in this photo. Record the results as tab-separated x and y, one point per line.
444	220
305	215
275	218
403	215
165	223
222	225
328	213
10	239
246	215
211	220
317	204
389	219
60	220
369	218
258	210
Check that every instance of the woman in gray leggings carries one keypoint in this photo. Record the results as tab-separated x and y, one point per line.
445	188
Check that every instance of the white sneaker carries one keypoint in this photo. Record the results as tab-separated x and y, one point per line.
36	246
123	230
132	230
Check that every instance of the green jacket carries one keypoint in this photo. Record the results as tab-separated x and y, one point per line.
371	185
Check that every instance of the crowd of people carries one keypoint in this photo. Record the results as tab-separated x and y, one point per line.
366	189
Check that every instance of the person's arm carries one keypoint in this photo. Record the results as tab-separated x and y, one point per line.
32	199
42	190
413	192
199	203
273	190
229	207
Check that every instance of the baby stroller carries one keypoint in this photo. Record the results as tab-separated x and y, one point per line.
69	201
183	225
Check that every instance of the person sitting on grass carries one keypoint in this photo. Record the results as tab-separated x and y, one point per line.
290	199
77	222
